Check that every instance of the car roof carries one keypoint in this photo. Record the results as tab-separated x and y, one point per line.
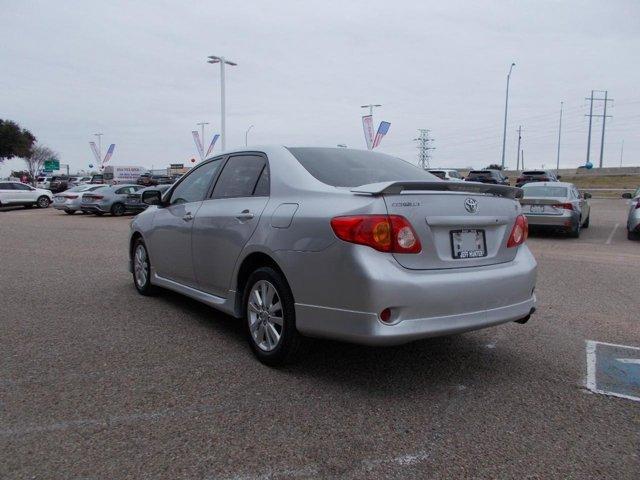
548	184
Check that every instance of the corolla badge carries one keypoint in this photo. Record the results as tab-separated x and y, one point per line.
471	205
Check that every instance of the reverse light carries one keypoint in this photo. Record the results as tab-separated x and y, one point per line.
519	232
385	233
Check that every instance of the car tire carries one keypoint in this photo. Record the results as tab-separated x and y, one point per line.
586	222
69	212
575	231
269	318
99	214
633	235
117	209
43	202
141	269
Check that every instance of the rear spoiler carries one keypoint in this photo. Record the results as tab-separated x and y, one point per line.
391	188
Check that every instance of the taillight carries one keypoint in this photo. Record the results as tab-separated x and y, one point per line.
565	206
385	233
519	232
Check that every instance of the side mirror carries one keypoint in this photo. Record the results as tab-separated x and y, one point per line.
626	195
152	197
558	177
586	195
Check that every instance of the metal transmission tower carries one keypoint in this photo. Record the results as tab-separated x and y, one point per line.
424	142
604	121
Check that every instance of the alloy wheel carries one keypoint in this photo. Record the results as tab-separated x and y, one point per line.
141	266
264	311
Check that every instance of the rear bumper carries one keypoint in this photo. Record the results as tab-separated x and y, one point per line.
92	208
423	303
566	220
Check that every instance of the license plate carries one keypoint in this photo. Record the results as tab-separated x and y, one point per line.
468	243
537	208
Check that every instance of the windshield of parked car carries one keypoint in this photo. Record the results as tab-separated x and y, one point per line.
544	191
341	167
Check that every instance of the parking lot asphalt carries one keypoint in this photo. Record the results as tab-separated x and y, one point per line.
99	382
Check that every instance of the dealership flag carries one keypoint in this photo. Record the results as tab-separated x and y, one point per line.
94	149
383	128
367	125
213	142
107	157
196	138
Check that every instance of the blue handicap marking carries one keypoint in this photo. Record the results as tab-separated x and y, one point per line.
613	369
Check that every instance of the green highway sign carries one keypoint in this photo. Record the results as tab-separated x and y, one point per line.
52	164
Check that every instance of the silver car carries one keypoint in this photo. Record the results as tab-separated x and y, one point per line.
69	201
336	243
633	220
110	199
556	205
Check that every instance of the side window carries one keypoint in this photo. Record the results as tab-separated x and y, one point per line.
262	187
6	186
195	184
239	177
20	186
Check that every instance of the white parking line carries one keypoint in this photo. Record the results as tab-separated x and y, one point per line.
591	382
615	227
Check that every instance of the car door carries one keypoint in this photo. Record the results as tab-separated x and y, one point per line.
7	193
169	242
24	193
226	221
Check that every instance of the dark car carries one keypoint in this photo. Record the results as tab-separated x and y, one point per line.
148	180
536	176
487	176
144	179
59	183
133	203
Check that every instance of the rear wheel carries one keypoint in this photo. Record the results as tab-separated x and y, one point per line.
269	316
69	212
117	210
98	213
633	235
142	269
43	202
575	231
586	222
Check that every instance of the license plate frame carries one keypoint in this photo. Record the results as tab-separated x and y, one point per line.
463	236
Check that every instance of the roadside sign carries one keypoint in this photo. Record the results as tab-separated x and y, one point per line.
52	164
176	166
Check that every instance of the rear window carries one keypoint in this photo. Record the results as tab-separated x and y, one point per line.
341	167
534	173
479	173
540	191
438	173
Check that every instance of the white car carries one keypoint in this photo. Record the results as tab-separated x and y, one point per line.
43	182
450	174
16	193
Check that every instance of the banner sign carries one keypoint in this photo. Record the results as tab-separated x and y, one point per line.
196	138
107	157
367	125
94	149
213	142
383	128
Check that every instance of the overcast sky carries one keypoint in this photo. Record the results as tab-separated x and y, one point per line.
136	71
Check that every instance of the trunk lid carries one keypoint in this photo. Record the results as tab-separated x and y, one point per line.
451	218
543	205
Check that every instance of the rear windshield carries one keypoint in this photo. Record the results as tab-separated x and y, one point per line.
545	191
438	173
476	173
534	173
341	167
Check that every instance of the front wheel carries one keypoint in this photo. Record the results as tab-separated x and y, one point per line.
43	202
142	269
270	319
117	210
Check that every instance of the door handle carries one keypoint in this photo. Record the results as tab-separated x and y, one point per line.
188	217
245	215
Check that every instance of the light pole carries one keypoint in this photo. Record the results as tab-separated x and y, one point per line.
506	105
559	136
246	135
222	61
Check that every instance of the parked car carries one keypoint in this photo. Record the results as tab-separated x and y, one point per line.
74	181
633	220
487	176
16	193
134	203
556	205
446	174
43	182
147	180
536	176
110	199
69	201
338	243
59	183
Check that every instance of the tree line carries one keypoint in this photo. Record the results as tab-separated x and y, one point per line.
18	142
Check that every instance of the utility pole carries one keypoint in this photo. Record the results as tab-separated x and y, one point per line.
506	105
559	136
621	152
423	148
522	155
604	121
519	139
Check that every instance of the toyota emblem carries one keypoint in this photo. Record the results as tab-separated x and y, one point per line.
471	205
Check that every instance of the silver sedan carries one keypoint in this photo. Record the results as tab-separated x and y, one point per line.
110	199
336	243
69	201
633	220
556	205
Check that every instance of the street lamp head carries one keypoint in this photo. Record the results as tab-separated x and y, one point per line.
216	59
513	64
